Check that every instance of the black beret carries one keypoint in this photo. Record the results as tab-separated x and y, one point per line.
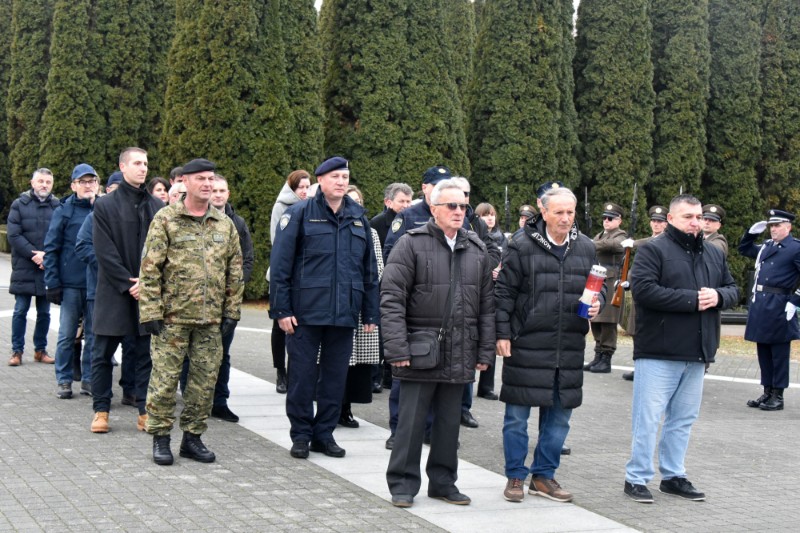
776	216
610	209
714	212
544	187
334	163
198	165
434	175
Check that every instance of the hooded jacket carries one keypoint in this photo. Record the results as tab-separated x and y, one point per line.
286	199
28	221
62	268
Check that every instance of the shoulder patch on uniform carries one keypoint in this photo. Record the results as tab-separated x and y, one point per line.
358	223
285	218
218	237
396	225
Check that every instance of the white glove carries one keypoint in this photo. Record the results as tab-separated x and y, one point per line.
627	243
790	310
758	227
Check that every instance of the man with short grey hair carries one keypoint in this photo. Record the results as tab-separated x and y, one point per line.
396	197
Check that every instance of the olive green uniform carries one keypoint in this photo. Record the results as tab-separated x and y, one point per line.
191	278
610	254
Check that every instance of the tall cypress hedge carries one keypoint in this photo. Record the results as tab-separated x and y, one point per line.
614	100
459	22
681	62
7	190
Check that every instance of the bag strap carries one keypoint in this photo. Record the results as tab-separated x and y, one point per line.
455	273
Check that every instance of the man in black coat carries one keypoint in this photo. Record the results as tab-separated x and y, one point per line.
28	221
121	220
679	285
543	338
396	197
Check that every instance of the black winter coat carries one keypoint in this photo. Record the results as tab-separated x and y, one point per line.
414	289
245	240
536	297
121	220
665	278
381	223
28	221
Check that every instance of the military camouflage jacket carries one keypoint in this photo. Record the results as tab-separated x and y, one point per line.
191	270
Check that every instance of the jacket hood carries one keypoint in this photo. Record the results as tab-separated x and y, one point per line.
287	196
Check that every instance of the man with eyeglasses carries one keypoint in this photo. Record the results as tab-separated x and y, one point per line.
610	245
65	278
772	318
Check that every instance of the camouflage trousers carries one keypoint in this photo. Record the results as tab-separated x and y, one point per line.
203	346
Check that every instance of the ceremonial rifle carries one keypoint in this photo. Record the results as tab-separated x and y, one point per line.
626	263
587	215
508	212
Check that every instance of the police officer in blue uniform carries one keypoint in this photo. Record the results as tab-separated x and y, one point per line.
771	320
323	274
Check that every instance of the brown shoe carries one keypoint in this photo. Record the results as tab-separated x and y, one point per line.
515	490
100	423
549	488
16	359
41	356
140	423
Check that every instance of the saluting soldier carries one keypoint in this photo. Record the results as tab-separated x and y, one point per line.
771	320
712	222
610	254
190	297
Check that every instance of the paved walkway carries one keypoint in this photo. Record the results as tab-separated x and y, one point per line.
56	475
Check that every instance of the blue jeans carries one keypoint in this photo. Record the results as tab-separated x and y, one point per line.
20	321
553	430
673	389
73	307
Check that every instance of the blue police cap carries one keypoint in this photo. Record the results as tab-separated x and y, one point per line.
83	170
334	163
434	175
544	187
198	165
114	179
776	216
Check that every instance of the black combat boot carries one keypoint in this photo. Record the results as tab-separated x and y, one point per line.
162	455
604	365
774	402
597	357
761	399
193	448
280	382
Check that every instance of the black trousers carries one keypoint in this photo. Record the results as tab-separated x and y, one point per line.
486	381
102	370
403	474
774	362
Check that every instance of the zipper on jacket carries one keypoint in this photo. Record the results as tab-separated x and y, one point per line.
560	309
205	270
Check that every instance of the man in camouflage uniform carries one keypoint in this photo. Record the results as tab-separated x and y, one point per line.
191	294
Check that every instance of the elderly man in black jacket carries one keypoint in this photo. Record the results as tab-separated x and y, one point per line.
543	338
428	264
679	285
121	220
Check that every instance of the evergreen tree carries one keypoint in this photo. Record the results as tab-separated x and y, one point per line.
733	125
681	58
780	105
518	98
30	30
71	129
568	145
7	191
303	51
162	30
614	100
459	20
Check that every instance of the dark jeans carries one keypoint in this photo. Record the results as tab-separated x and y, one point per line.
20	321
127	376
102	371
221	390
73	306
278	346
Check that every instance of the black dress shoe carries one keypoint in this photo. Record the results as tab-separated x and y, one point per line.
628	376
468	420
346	419
377	388
402	500
455	498
566	450
281	383
162	455
680	486
329	448
223	412
299	450
489	395
390	442
193	448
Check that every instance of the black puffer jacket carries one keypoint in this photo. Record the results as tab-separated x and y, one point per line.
536	297
416	281
28	221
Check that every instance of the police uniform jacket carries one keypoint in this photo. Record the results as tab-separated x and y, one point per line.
536	299
191	269
416	282
28	221
611	255
322	267
121	219
665	279
778	267
61	267
719	240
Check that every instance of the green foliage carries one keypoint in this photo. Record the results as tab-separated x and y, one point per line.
521	118
7	191
30	56
614	100
734	117
459	21
780	105
681	62
72	129
568	142
392	106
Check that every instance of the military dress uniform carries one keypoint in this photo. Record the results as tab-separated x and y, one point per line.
776	278
610	254
191	279
717	213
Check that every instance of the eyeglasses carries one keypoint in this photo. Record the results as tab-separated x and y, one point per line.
609	218
87	182
452	206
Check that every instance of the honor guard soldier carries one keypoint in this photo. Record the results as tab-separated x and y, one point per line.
771	319
526	212
712	221
610	253
323	273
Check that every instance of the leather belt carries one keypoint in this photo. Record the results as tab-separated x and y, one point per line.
773	290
